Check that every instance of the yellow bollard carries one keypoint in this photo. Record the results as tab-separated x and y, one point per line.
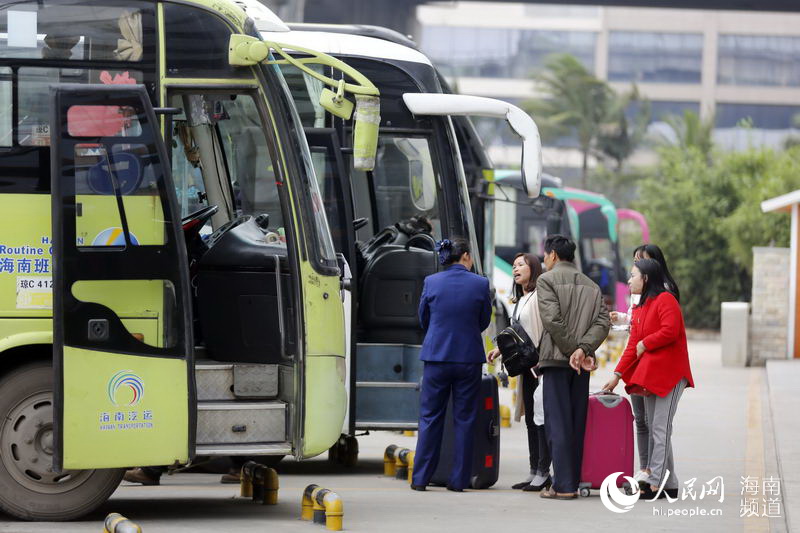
334	511
389	468
116	523
401	468
246	483
307	504
271	484
410	461
319	510
505	416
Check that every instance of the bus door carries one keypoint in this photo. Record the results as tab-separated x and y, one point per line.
334	184
123	357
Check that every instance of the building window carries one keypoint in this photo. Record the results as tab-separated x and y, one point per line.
767	117
759	60
502	52
661	109
655	57
560	11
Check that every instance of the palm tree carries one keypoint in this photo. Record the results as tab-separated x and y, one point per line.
620	135
691	132
575	101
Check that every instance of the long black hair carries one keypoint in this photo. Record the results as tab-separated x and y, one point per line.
654	282
654	252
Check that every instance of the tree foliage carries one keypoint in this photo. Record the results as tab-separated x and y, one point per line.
706	216
576	102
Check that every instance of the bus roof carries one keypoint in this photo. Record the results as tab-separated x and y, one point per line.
345	44
581	201
263	16
365	30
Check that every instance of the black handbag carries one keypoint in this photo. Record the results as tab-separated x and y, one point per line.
519	353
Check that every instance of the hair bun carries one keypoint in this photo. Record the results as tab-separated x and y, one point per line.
444	247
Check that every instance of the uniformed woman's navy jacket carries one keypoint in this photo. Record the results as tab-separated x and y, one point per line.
455	307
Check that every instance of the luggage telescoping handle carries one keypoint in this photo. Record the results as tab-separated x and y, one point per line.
608	399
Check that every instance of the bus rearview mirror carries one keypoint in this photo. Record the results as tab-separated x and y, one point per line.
520	122
245	50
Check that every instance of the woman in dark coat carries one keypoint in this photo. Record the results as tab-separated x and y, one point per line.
454	309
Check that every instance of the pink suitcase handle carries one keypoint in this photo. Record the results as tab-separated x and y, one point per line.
608	399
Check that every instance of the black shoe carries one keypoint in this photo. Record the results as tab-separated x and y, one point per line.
520	485
537	488
420	488
648	493
672	493
454	489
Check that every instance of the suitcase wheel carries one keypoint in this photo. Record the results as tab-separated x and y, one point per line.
584	492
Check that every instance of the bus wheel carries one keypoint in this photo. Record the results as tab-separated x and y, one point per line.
29	488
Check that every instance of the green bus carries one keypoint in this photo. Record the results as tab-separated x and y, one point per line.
169	287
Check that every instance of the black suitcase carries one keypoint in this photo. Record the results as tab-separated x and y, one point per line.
486	443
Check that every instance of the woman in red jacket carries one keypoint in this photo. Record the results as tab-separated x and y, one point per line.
656	365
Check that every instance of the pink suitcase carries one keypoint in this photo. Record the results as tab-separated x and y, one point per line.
608	444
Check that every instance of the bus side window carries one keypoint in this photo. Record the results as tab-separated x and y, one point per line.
6	129
197	44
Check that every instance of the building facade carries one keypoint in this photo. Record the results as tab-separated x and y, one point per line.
737	68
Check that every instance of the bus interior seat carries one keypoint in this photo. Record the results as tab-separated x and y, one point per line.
390	292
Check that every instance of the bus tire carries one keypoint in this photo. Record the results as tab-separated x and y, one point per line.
29	489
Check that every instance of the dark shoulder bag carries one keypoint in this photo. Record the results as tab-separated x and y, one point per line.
519	353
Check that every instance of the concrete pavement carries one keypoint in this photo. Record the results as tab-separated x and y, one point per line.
722	428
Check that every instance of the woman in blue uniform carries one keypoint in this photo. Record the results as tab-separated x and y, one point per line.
455	307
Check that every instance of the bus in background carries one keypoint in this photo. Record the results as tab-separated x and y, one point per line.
521	225
159	302
388	220
595	221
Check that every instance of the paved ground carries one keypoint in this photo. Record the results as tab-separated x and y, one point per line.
722	428
783	379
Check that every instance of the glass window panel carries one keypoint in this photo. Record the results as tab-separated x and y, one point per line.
655	57
502	52
98	221
252	172
771	117
6	129
331	190
187	170
306	91
197	44
81	29
34	97
768	60
404	181
102	121
134	168
505	228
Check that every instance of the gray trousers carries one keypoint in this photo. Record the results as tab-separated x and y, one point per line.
642	433
660	412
